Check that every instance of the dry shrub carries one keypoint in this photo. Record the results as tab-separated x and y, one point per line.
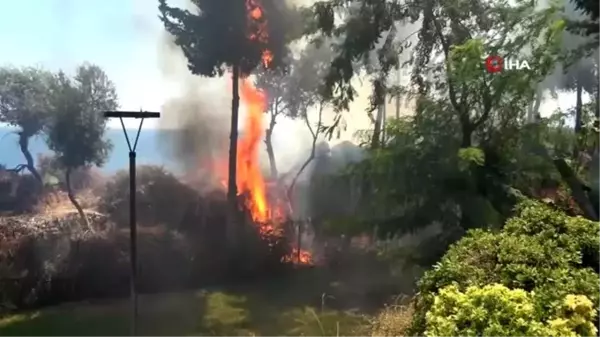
26	196
181	243
49	260
393	320
83	178
56	202
161	198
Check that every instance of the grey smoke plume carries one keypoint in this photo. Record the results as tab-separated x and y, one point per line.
197	116
584	71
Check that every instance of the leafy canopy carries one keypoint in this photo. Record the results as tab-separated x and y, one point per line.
218	34
540	250
495	310
76	126
25	98
588	26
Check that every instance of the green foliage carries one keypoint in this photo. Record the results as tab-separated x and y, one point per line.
587	26
471	155
495	310
224	35
363	24
76	128
356	36
25	98
540	251
226	315
25	102
459	159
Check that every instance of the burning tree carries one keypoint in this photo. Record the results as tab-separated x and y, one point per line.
229	35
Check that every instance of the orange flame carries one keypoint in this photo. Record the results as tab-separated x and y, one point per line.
249	176
303	258
250	181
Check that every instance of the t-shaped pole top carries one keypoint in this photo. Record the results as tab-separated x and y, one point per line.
131	114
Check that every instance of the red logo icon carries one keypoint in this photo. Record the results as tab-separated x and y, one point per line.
494	64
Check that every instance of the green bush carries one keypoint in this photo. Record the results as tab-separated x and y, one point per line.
540	250
496	310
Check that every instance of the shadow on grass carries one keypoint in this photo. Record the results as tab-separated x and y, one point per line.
287	306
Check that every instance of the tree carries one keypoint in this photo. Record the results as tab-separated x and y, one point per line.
449	162
25	103
445	25
235	35
305	86
588	26
273	83
75	131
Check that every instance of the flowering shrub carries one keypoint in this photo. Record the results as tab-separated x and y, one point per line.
495	310
540	251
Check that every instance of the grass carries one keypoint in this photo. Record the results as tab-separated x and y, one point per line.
257	309
198	313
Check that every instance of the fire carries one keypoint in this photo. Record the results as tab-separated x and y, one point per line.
267	213
249	176
303	258
267	57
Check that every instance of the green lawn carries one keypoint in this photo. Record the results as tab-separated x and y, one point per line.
288	308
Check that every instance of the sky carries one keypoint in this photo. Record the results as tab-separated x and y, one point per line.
121	36
118	35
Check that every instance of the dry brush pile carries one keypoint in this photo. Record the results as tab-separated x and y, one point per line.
50	258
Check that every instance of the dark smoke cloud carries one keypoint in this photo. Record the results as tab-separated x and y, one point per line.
197	117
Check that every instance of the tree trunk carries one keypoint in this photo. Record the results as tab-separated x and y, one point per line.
313	150
84	220
466	137
535	107
578	120
24	145
233	138
271	153
383	123
377	130
578	189
597	112
398	94
578	109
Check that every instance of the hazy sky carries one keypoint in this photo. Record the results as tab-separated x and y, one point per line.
121	36
118	35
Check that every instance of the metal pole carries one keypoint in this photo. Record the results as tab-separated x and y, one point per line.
133	242
132	203
299	241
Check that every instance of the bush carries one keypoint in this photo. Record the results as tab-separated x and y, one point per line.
57	262
394	320
82	178
496	310
540	250
161	198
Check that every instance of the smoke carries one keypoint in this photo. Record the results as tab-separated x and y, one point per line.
584	71
197	117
